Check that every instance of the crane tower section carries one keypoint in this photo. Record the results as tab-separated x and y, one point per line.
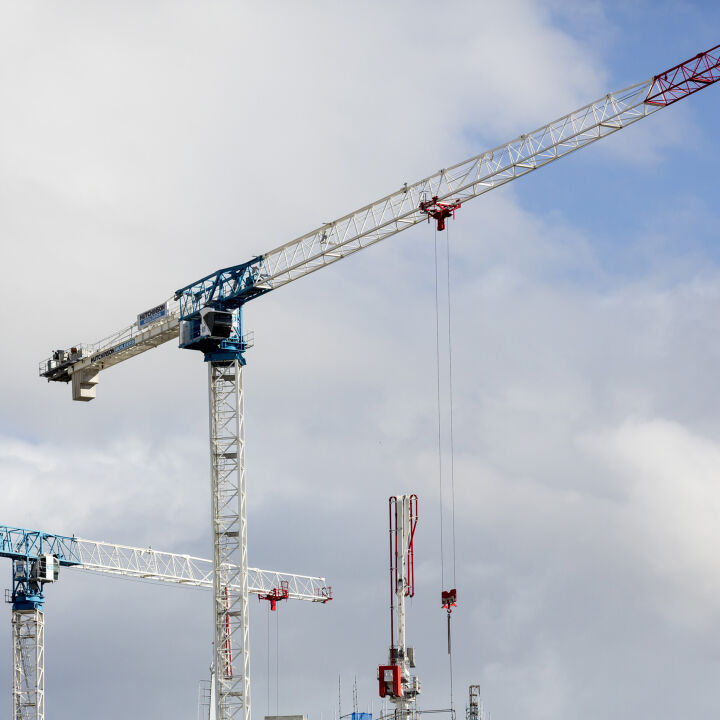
36	560
395	679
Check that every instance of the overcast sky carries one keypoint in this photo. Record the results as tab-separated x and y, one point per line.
144	145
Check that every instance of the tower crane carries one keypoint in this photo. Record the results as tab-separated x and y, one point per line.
206	315
474	710
395	679
36	561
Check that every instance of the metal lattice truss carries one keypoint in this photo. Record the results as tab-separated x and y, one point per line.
399	211
19	544
28	626
28	692
154	565
148	564
379	220
686	78
229	528
463	181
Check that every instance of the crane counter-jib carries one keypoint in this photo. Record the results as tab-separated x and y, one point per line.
149	330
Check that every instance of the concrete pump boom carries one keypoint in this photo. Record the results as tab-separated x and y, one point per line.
395	680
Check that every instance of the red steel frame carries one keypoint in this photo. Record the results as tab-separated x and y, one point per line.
277	594
228	640
685	79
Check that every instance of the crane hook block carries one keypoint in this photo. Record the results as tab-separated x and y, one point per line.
449	599
277	594
439	210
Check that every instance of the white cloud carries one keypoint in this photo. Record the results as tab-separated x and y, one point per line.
129	492
144	146
673	501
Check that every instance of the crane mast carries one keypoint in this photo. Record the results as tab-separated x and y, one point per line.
229	525
36	560
395	679
207	316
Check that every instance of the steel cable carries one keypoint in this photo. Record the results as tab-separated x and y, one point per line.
450	380
439	414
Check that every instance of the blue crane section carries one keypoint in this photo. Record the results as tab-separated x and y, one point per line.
36	558
229	288
210	311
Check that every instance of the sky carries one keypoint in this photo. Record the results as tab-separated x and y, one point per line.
145	145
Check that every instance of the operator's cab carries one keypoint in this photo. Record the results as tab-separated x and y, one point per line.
208	329
45	569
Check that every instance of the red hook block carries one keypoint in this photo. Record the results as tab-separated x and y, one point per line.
439	210
449	599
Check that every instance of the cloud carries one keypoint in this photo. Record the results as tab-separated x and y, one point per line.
673	498
129	492
142	149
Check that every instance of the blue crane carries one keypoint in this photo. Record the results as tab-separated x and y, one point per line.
37	558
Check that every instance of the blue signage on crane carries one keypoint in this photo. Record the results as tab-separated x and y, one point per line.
151	315
107	353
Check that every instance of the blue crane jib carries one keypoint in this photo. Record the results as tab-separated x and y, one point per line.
210	311
36	558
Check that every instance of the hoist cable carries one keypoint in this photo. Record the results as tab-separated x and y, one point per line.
439	412
452	699
452	450
277	662
268	659
451	438
450	379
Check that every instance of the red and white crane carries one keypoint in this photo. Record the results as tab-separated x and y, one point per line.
207	316
395	679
